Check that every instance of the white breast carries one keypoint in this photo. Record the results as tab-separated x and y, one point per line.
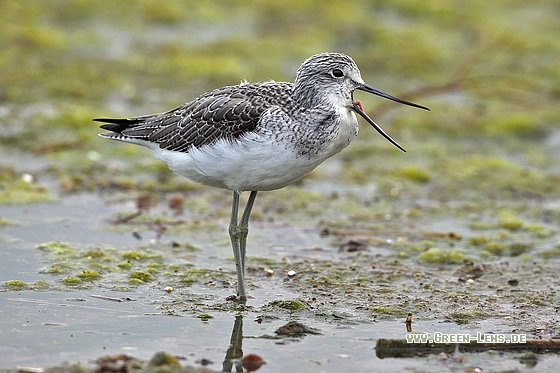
245	165
348	130
256	161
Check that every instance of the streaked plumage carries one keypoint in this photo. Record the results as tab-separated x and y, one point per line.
257	137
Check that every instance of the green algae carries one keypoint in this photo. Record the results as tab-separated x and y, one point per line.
87	265
97	255
439	256
70	280
502	249
411	247
530	359
57	248
88	275
204	316
552	253
510	222
22	192
261	261
192	275
164	360
40	285
184	246
289	304
414	173
140	276
517	124
479	240
59	268
125	264
15	284
140	255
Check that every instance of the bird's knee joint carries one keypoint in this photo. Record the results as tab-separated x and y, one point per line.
234	232
244	231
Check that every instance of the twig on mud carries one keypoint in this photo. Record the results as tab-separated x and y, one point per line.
368	233
126	219
110	298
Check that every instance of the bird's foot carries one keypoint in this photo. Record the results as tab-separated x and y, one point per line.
237	299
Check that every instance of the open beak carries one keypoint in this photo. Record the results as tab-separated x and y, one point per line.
358	109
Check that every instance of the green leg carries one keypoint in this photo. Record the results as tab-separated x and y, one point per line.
234	235
244	228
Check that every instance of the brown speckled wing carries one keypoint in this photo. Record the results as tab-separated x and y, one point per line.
225	113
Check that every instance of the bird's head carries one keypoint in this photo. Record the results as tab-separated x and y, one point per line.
331	79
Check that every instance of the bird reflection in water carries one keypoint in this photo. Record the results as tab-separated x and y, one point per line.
234	354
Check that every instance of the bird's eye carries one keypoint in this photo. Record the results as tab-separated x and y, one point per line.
337	73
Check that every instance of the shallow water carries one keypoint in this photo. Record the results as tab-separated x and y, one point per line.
40	328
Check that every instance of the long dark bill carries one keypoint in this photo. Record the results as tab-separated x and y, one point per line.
370	89
374	125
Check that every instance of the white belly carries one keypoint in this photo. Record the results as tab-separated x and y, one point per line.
243	166
255	162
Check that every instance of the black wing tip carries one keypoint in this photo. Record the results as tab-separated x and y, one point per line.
112	127
114	124
112	120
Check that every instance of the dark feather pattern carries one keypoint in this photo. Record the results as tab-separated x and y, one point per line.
225	113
